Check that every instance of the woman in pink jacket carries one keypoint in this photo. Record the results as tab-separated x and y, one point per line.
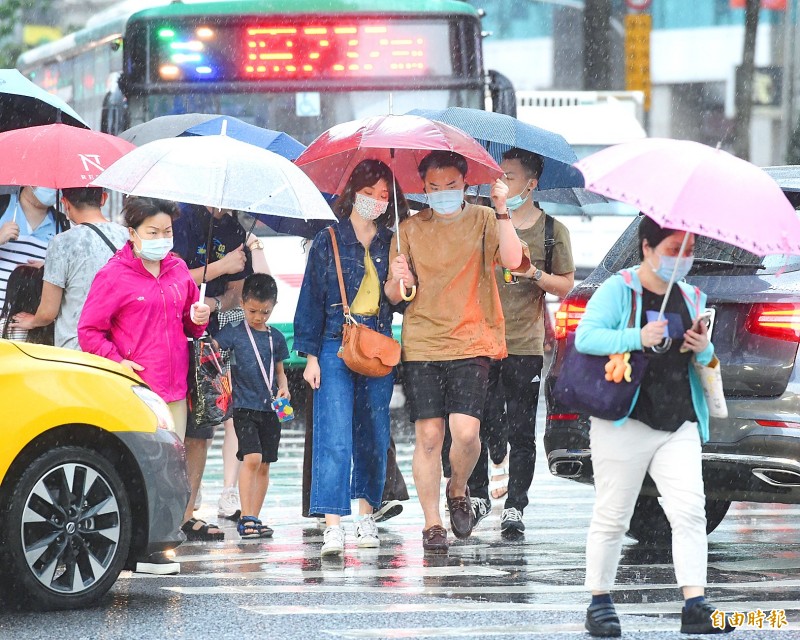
142	306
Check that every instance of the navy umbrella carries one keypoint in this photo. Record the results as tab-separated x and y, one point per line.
23	104
498	133
209	124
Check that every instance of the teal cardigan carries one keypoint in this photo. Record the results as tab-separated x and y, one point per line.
603	330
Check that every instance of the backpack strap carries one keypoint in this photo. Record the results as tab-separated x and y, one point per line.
549	242
102	235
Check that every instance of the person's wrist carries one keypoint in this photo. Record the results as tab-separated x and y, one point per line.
502	213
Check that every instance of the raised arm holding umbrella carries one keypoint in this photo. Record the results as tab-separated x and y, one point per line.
683	188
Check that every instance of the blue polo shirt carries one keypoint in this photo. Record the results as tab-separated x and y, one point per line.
44	232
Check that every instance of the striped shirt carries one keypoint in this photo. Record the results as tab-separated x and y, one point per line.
31	244
20	335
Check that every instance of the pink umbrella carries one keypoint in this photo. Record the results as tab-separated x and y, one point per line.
693	187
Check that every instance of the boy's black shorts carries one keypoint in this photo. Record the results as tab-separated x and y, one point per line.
437	389
258	432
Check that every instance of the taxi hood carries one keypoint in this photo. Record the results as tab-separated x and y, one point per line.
70	356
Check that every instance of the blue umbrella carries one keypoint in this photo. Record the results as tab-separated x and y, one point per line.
293	226
498	133
23	104
276	141
206	124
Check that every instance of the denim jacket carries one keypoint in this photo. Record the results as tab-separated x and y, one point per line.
319	312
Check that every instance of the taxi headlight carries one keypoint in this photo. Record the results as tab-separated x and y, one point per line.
157	406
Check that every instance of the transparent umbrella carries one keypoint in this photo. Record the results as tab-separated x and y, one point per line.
220	172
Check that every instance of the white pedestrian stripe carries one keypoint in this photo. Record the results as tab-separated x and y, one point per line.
541	573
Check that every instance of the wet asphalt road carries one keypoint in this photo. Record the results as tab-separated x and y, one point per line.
485	588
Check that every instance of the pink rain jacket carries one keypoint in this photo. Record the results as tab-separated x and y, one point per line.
132	315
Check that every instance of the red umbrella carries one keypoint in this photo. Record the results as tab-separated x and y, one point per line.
57	155
399	141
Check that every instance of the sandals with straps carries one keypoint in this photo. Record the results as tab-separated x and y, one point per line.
249	527
202	533
498	479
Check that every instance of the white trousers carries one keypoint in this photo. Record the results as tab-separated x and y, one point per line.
621	456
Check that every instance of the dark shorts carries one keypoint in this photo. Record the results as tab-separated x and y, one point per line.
201	433
437	389
258	432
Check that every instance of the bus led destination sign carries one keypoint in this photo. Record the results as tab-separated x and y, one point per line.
315	50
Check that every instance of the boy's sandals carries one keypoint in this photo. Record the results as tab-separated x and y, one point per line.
251	527
498	479
200	531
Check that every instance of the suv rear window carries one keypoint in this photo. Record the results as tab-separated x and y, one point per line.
711	257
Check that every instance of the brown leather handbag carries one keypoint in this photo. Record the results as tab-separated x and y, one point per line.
364	351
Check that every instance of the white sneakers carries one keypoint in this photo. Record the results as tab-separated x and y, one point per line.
332	542
367	533
366	537
229	506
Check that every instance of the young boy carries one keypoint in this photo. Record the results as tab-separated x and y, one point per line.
255	385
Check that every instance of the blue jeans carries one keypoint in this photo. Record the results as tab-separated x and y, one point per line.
351	423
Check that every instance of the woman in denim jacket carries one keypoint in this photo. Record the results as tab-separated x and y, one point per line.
351	411
664	429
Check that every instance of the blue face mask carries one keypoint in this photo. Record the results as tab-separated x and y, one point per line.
446	202
515	202
45	195
666	266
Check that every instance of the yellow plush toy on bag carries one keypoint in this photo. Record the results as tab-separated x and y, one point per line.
618	367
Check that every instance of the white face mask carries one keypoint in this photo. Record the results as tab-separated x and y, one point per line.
369	208
155	249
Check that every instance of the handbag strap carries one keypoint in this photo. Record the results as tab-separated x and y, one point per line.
345	306
267	379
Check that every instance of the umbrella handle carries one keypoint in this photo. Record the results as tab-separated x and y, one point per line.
202	297
404	295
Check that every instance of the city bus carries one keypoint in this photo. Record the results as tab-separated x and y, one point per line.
298	66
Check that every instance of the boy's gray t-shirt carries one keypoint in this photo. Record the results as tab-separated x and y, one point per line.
73	259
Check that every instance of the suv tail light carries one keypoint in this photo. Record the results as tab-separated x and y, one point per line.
568	316
775	320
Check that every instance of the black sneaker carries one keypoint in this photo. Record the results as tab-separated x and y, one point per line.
511	521
481	507
602	621
700	619
389	509
158	564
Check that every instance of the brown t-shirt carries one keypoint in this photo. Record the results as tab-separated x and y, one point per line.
523	303
456	313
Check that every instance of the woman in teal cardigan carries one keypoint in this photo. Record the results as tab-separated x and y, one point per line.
664	429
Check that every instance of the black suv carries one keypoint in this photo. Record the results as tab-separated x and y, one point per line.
752	455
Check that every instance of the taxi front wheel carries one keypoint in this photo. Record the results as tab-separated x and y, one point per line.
67	529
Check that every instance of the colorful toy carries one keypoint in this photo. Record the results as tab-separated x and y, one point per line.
618	367
284	410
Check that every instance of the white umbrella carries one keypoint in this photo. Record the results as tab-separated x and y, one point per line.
219	172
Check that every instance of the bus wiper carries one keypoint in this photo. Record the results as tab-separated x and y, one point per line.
728	263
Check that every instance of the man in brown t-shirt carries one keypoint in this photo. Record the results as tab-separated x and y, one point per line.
514	381
451	329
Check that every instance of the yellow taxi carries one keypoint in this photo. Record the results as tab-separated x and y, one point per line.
92	475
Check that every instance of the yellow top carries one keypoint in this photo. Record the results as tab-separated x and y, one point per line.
368	299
